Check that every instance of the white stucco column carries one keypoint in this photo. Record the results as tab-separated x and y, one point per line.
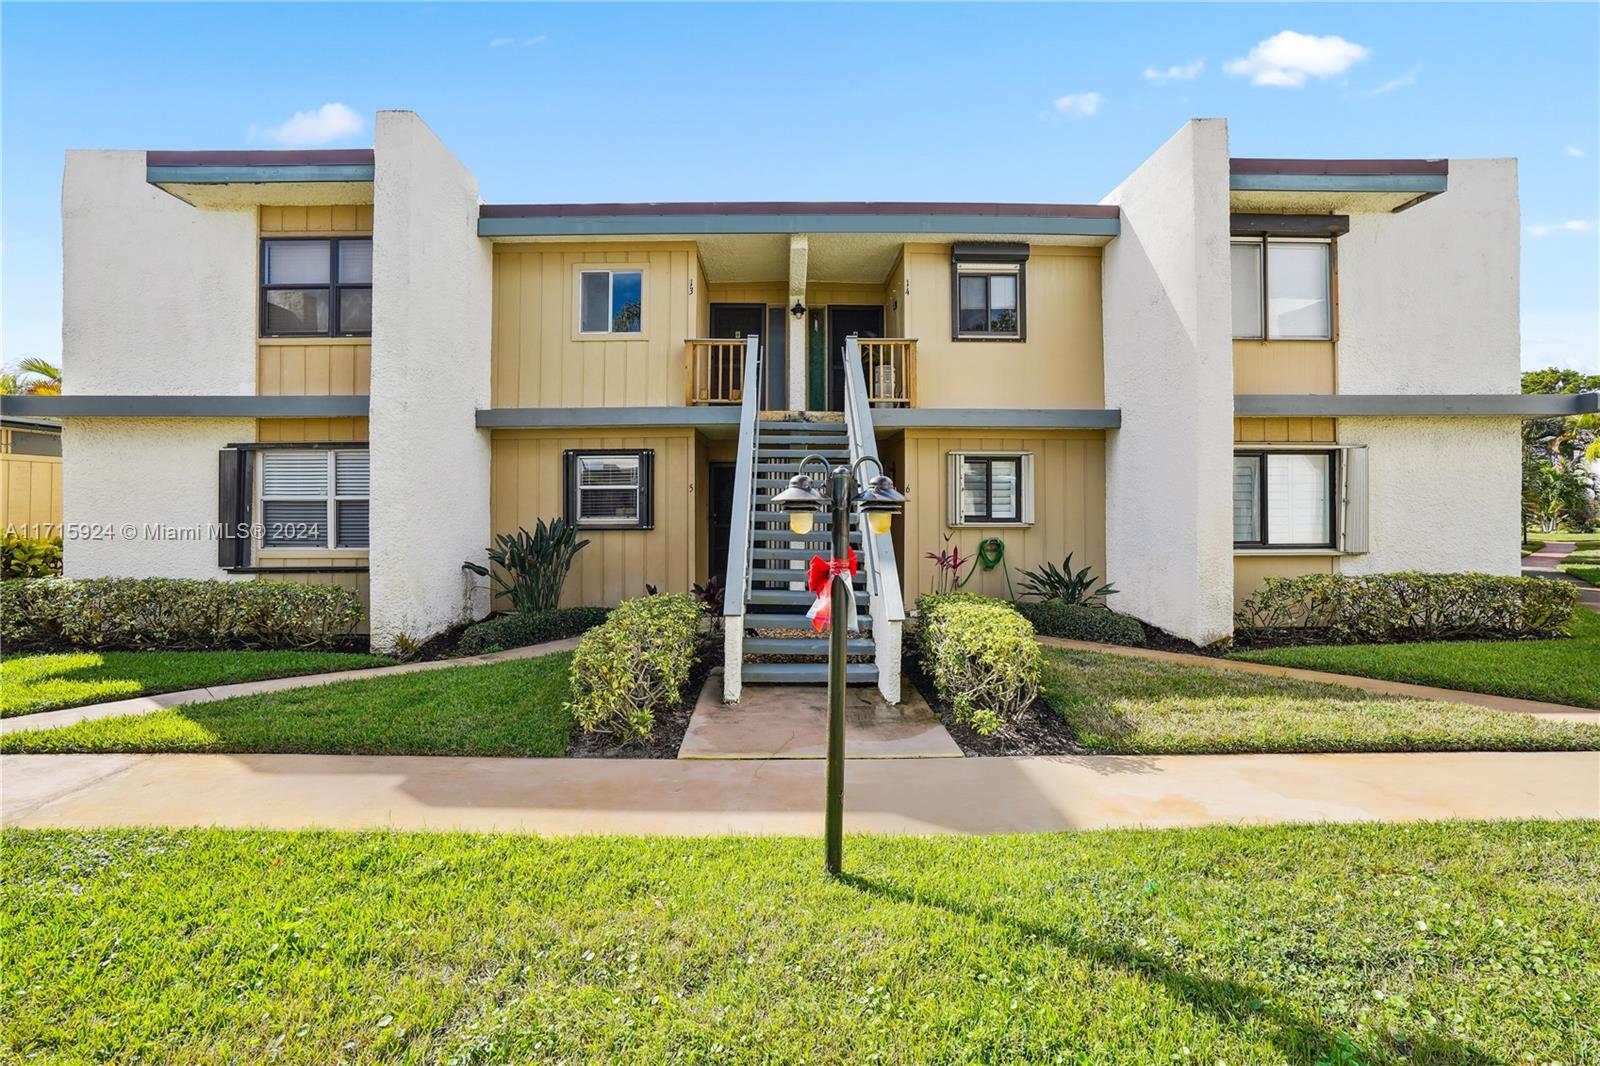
1169	369
797	348
431	308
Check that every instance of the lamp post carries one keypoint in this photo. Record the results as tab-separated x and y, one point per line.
878	502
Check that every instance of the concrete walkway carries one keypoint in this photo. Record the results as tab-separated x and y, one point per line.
1546	562
1560	712
697	797
161	701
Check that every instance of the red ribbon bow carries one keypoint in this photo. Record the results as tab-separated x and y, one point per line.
819	579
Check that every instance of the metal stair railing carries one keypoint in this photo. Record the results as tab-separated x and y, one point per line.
739	534
883	576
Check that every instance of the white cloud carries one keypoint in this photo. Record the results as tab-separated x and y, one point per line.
1574	151
1572	225
1079	105
1187	72
517	42
1286	59
330	122
1404	81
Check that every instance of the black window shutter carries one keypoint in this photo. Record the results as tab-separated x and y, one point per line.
647	489
569	493
233	507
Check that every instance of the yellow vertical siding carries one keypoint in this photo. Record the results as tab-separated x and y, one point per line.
1250	570
339	220
310	430
527	483
312	366
30	494
539	359
1285	430
1284	368
1060	365
1069	487
773	294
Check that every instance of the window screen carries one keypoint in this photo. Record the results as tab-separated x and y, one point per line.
316	498
609	489
611	301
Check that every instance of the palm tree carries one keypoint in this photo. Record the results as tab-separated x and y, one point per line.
31	377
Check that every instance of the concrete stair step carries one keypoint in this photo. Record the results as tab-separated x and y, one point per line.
806	673
795	596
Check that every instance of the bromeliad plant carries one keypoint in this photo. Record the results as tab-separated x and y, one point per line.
1066	587
534	566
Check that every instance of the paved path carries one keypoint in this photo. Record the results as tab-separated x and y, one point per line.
1546	562
1554	711
146	704
696	797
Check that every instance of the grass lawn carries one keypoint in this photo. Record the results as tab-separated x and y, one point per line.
1559	671
510	708
1582	540
1121	705
30	683
1433	943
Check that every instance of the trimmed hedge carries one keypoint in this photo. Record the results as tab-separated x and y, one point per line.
1077	622
518	630
174	614
1406	606
635	664
24	557
981	656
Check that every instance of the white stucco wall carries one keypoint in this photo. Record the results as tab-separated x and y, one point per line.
122	476
159	298
1169	368
1428	298
1444	494
432	279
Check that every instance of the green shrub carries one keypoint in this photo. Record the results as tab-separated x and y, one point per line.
1407	606
519	630
535	565
24	557
1053	618
635	664
1064	585
174	614
981	656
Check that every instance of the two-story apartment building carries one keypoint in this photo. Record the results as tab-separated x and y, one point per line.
1224	369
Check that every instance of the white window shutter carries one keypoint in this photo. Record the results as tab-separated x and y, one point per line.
1027	488
1354	537
953	489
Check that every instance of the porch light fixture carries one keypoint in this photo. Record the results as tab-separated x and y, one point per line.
798	310
802	501
880	501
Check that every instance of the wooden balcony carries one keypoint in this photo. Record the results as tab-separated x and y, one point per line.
890	365
713	370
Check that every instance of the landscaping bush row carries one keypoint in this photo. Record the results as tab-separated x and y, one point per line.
635	664
149	613
518	630
1386	608
981	656
1053	618
24	557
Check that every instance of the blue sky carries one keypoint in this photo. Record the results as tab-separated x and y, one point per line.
947	102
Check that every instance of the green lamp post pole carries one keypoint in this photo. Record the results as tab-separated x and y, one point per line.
878	502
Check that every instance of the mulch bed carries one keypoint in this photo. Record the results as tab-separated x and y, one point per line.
667	736
1039	730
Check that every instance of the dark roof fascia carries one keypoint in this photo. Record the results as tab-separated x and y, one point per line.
1523	405
170	406
258	168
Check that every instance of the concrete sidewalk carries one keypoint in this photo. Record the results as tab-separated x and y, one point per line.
1559	712
1546	562
163	700
694	797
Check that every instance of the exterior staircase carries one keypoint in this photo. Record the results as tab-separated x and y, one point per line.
786	648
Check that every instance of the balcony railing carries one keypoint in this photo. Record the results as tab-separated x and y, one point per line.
889	365
713	370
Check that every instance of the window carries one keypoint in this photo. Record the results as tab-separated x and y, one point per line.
610	490
988	290
1284	499
1282	289
610	301
314	498
991	489
316	287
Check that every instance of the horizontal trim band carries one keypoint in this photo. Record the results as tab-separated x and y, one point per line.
1245	224
587	417
998	418
1507	404
1370	167
190	406
258	175
798	207
296	569
606	225
1417	183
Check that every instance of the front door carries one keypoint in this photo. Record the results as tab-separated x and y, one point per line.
843	321
720	519
737	321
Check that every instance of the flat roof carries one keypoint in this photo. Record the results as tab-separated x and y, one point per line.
1334	185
